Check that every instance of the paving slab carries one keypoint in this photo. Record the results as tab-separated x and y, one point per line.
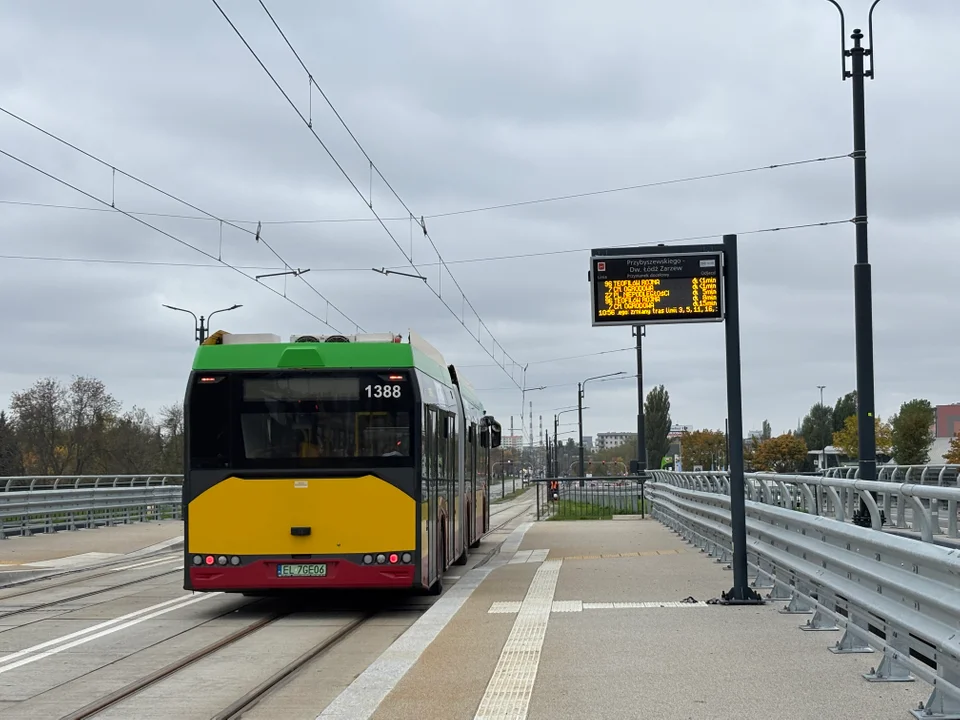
608	619
73	548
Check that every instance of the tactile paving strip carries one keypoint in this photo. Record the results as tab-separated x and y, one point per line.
508	693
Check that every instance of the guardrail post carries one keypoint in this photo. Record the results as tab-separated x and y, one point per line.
799	602
891	669
851	642
940	705
821	621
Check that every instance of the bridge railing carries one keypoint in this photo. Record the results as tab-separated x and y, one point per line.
886	592
61	482
942	475
929	510
592	498
31	512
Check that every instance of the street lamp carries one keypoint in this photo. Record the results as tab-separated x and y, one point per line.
580	387
862	290
556	425
199	328
823	432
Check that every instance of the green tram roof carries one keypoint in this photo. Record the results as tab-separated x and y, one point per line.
228	351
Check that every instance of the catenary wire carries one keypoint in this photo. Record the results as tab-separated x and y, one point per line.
257	234
437	293
165	233
489	258
453	213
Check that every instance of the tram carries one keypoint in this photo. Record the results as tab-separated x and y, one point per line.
331	461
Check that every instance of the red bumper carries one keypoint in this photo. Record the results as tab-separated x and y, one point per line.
262	574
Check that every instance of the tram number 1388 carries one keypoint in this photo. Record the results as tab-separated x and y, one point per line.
383	391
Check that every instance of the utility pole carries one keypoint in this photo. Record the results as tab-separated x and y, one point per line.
640	331
823	438
580	387
862	291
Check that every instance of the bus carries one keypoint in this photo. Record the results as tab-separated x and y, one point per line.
331	462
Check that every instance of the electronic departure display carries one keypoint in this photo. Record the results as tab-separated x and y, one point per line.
661	288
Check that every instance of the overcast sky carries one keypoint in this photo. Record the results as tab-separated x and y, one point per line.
462	106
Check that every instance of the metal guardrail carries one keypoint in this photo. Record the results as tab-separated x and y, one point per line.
57	482
29	512
912	506
888	593
593	498
943	475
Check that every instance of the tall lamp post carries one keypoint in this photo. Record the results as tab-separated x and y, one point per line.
862	293
556	445
823	439
580	387
199	328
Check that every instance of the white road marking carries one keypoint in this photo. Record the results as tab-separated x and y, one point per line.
162	545
508	693
105	628
503	607
363	696
149	563
74	560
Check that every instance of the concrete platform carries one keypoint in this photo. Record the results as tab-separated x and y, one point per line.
28	556
607	619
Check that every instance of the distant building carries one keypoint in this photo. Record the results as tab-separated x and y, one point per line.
588	442
607	441
512	442
947	423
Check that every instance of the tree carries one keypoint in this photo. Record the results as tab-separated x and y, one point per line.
911	436
90	409
11	461
953	454
817	427
847	439
783	454
171	430
39	415
657	424
845	407
707	448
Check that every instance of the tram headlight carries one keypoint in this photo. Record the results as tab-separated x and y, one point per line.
222	560
198	560
406	557
234	560
381	558
368	559
393	558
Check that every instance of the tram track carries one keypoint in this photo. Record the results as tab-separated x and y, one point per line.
106	570
251	698
80	596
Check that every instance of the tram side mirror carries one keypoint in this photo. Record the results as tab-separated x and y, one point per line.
495	436
634	467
